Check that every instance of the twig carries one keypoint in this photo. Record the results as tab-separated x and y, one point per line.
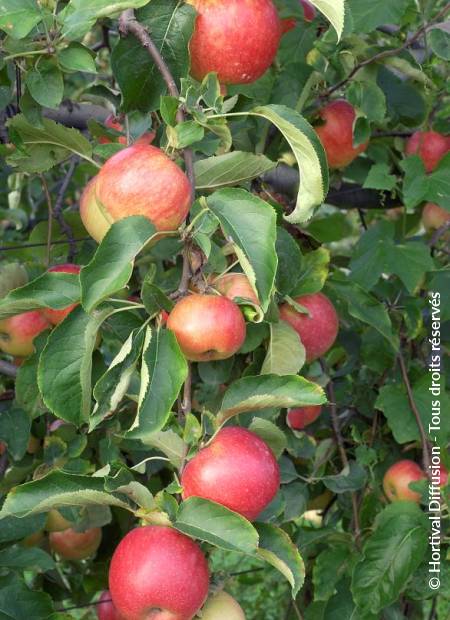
5	248
3	464
50	217
84	606
8	369
18	85
362	218
186	404
57	209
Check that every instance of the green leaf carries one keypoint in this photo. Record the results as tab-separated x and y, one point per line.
81	16
27	392
369	98
368	15
250	223
51	290
334	10
416	182
439	184
256	393
169	443
65	367
45	83
215	524
171	23
314	273
19	17
351	478
77	57
405	102
21	558
285	353
112	265
185	134
17	601
15	528
230	169
15	425
379	178
290	262
276	548
153	298
163	372
271	434
440	42
329	567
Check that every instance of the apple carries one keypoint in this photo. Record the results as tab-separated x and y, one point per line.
302	416
106	609
56	522
57	316
33	540
318	329
73	545
207	327
139	180
443	476
397	479
18	332
236	469
336	134
222	606
434	216
235	39
158	573
112	122
430	146
235	285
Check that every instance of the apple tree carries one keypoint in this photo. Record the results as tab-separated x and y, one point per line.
224	314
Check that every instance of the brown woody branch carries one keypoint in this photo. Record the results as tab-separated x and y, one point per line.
57	209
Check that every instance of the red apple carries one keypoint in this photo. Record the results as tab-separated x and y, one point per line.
237	469
158	573
336	134
430	146
235	285
302	416
434	216
318	329
139	180
112	122
309	10
443	476
207	327
106	609
397	479
72	545
18	332
222	606
57	316
235	39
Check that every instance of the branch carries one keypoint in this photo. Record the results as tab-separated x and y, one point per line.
8	369
50	217
438	234
5	248
57	210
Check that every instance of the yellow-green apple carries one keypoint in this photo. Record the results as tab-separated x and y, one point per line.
434	216
158	573
56	522
18	332
57	316
397	479
302	416
139	180
106	609
237	469
318	329
207	327
336	134
237	39
235	285
72	545
430	146
222	606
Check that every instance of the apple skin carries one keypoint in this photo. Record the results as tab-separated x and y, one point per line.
430	146
112	122
298	418
139	180
443	477
234	285
397	479
55	317
18	332
207	327
237	39
72	545
158	573
319	330
106	609
336	134
222	606
56	522
237	469
434	216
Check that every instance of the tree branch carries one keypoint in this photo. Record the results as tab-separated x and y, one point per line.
57	209
8	369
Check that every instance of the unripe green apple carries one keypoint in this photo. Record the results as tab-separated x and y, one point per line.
430	146
18	332
434	216
222	606
56	522
72	545
57	316
397	479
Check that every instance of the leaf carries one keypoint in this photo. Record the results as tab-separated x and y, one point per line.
230	169
290	261
329	567
416	182
390	557
439	184
163	372
112	265
21	558
351	478
256	393
12	275
64	373
285	353
405	102
368	15
251	224
27	391
379	178
51	290
171	23
15	426
45	84
17	601
45	146
276	548
19	17
217	525
15	528
77	57
369	98
440	41
334	10
169	443
81	16
271	434
314	273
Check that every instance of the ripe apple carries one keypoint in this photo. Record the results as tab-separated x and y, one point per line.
336	134
443	476
72	545
318	329
139	180
235	285
222	606
106	609
302	416
57	316
430	146
235	39
397	479
207	327
112	122
237	469
434	216
56	522
158	573
18	332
